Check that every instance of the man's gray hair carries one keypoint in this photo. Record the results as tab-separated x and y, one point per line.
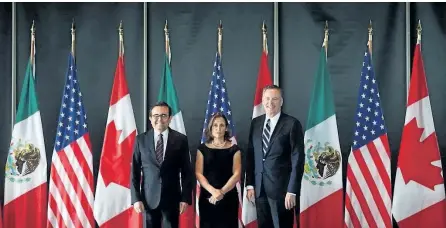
272	87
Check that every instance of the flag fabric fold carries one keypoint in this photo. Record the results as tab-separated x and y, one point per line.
112	207
71	184
419	171
321	189
368	189
249	214
168	94
218	101
25	197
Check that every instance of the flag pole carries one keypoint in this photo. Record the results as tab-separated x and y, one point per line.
265	41
33	38
167	41
73	35
220	37
419	29
370	43
325	44
121	39
33	46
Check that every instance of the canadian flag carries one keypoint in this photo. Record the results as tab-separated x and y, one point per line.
419	195
249	215
112	206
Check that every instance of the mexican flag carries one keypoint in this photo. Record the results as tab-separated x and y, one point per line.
25	202
168	94
321	197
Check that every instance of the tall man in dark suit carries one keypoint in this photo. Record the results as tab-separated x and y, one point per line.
274	162
161	154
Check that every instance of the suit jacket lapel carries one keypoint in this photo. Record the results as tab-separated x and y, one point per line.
151	145
276	131
170	141
260	132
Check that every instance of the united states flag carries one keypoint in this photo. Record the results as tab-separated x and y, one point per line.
218	101
368	200
70	202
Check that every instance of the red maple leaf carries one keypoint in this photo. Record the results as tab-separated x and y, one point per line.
116	158
416	157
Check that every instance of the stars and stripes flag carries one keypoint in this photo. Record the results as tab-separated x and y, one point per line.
368	190
70	202
218	101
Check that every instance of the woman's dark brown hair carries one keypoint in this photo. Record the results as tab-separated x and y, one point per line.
208	131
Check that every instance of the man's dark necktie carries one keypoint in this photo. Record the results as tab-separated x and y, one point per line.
159	149
265	136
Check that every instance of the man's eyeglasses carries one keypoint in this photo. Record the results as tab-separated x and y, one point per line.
162	116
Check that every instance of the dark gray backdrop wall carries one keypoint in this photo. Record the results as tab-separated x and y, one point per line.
193	36
5	86
96	56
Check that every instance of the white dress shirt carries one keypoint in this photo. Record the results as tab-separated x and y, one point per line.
272	123
156	137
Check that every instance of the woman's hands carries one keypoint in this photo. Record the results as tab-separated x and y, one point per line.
217	195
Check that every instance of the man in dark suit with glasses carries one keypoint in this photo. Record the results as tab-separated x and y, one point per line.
161	155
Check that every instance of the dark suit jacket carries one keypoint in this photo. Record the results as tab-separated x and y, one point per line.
280	169
161	183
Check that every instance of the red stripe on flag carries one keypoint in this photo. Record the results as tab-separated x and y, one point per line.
55	210
418	86
351	211
19	212
433	216
380	167
120	88
65	197
128	218
187	219
75	182
86	137
385	142
83	163
264	78
326	213
360	196
371	184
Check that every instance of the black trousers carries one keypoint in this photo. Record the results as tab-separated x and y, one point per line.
272	213
163	216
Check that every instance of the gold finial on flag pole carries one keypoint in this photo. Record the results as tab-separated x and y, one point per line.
265	41
33	40
121	39
326	38
73	37
370	43
166	38
419	29
220	37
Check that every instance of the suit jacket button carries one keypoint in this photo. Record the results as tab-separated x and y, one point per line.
263	159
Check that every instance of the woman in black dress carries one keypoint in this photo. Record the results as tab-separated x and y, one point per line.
218	169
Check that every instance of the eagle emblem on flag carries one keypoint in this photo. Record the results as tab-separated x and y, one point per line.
321	162
23	159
